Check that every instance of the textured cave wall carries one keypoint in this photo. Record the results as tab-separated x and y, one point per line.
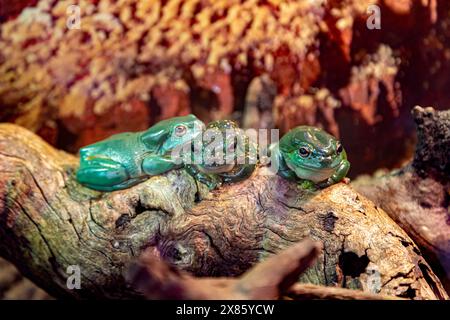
11	9
277	63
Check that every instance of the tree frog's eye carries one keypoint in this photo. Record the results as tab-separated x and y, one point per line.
180	130
304	152
339	149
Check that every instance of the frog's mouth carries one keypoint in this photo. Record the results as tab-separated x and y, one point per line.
326	168
327	164
312	173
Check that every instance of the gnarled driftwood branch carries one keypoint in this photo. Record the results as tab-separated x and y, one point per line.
49	222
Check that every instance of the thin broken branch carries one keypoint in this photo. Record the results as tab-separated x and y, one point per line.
273	278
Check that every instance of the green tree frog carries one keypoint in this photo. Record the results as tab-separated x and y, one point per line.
236	161
126	159
310	156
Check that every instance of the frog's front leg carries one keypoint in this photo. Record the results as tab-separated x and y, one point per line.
239	174
154	165
338	175
211	180
103	174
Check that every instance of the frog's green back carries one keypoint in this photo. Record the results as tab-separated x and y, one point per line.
312	154
308	134
124	159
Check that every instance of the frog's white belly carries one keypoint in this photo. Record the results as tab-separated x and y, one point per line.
315	175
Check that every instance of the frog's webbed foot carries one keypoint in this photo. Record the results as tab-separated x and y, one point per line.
212	181
102	174
338	176
244	172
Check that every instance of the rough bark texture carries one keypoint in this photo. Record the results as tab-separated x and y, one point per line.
49	222
418	196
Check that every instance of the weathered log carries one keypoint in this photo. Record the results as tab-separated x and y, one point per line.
49	222
418	196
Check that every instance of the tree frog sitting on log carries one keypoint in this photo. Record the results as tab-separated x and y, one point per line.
238	156
126	159
310	156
